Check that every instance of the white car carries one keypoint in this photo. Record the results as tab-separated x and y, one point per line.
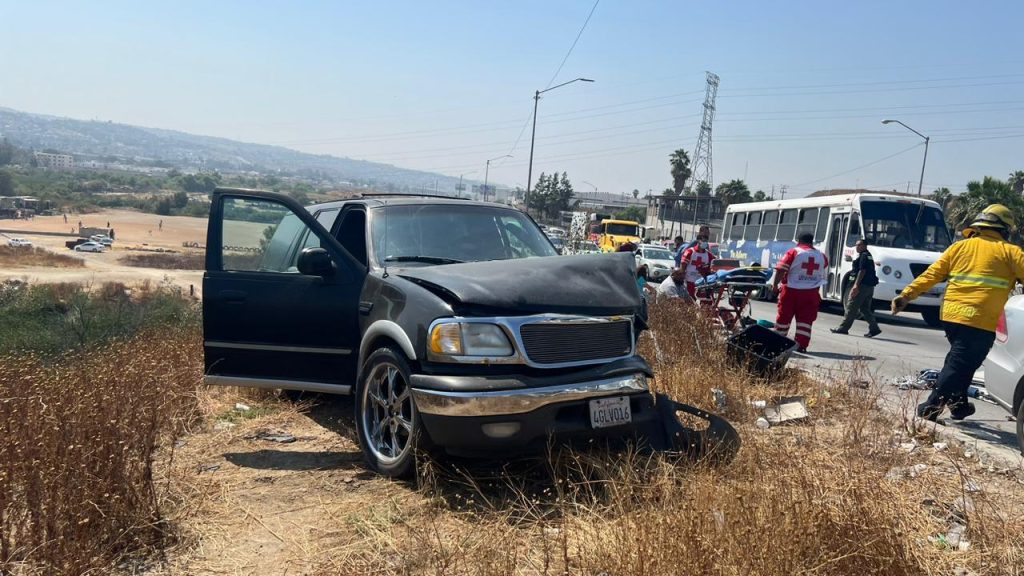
100	238
90	246
1004	366
658	261
19	243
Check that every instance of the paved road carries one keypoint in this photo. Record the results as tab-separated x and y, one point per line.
906	346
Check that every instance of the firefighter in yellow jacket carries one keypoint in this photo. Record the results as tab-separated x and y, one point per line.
980	271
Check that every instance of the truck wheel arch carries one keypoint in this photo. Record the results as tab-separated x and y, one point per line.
381	332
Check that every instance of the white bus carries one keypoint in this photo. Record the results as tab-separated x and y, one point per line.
905	235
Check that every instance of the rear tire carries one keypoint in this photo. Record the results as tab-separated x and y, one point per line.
932	317
1020	427
385	413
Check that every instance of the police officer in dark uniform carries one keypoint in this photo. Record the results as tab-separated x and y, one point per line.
862	293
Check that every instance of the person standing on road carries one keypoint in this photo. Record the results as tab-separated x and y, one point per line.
696	263
980	271
801	271
677	249
862	293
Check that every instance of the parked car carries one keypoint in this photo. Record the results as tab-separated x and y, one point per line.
558	243
90	246
102	239
554	232
585	247
19	243
446	318
656	261
1004	366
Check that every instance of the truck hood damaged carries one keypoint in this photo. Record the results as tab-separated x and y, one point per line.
594	284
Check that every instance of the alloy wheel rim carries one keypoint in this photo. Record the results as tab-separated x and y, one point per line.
388	413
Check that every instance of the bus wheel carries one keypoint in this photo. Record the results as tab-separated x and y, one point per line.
932	317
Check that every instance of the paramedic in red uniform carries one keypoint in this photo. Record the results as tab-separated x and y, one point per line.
801	271
696	262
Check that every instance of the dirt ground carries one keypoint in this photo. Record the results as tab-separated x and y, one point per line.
135	232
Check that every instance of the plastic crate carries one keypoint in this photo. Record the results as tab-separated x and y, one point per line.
763	351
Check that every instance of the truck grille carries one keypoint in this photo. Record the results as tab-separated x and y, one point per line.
918	269
564	342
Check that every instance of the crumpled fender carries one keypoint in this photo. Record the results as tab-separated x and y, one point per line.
720	442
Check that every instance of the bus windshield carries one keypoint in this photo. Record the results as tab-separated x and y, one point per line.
905	225
622	229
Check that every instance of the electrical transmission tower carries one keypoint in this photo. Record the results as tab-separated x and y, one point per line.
702	169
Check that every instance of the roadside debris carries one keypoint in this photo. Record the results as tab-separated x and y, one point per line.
223	425
763	423
242	407
721	400
787	410
762	351
208	468
940	446
279	437
923	380
952	539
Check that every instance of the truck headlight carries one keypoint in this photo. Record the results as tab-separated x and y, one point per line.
469	339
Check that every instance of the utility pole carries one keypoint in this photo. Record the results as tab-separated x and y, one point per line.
773	191
782	192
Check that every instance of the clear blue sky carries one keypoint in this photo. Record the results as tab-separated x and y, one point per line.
445	85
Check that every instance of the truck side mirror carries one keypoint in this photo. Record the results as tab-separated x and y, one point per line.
315	262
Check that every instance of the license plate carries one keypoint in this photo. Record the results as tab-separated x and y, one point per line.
608	412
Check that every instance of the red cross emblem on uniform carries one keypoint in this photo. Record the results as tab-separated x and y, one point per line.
810	266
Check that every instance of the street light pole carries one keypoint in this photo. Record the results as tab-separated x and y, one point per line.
920	183
533	133
487	172
592	186
459	189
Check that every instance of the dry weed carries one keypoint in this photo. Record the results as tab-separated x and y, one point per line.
77	438
20	257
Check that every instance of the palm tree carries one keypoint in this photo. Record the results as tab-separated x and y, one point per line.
681	172
1017	181
943	196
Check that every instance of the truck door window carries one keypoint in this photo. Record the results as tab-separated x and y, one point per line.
260	235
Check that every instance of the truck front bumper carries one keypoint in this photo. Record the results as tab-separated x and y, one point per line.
500	414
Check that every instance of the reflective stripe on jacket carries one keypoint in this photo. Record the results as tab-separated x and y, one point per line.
981	271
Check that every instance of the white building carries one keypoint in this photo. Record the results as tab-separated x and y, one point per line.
55	161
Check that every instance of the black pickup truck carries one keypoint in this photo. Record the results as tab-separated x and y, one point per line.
453	322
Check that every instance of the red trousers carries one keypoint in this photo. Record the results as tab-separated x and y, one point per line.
802	304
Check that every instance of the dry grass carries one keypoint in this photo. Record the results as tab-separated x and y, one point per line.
186	261
823	497
77	439
21	257
826	496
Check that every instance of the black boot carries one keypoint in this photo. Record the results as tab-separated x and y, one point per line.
930	411
961	410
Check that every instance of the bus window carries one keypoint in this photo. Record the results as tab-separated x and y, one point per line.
728	227
819	235
753	226
807	221
854	234
768	226
739	221
905	225
787	225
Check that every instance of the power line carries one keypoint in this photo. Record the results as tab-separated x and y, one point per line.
845	172
569	53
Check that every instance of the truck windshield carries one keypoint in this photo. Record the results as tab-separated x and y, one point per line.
905	225
425	234
622	229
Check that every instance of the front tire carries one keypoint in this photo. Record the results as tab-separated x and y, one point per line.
388	424
932	317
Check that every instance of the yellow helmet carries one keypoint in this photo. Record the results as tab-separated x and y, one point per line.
995	217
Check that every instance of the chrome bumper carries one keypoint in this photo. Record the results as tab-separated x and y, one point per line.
519	401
